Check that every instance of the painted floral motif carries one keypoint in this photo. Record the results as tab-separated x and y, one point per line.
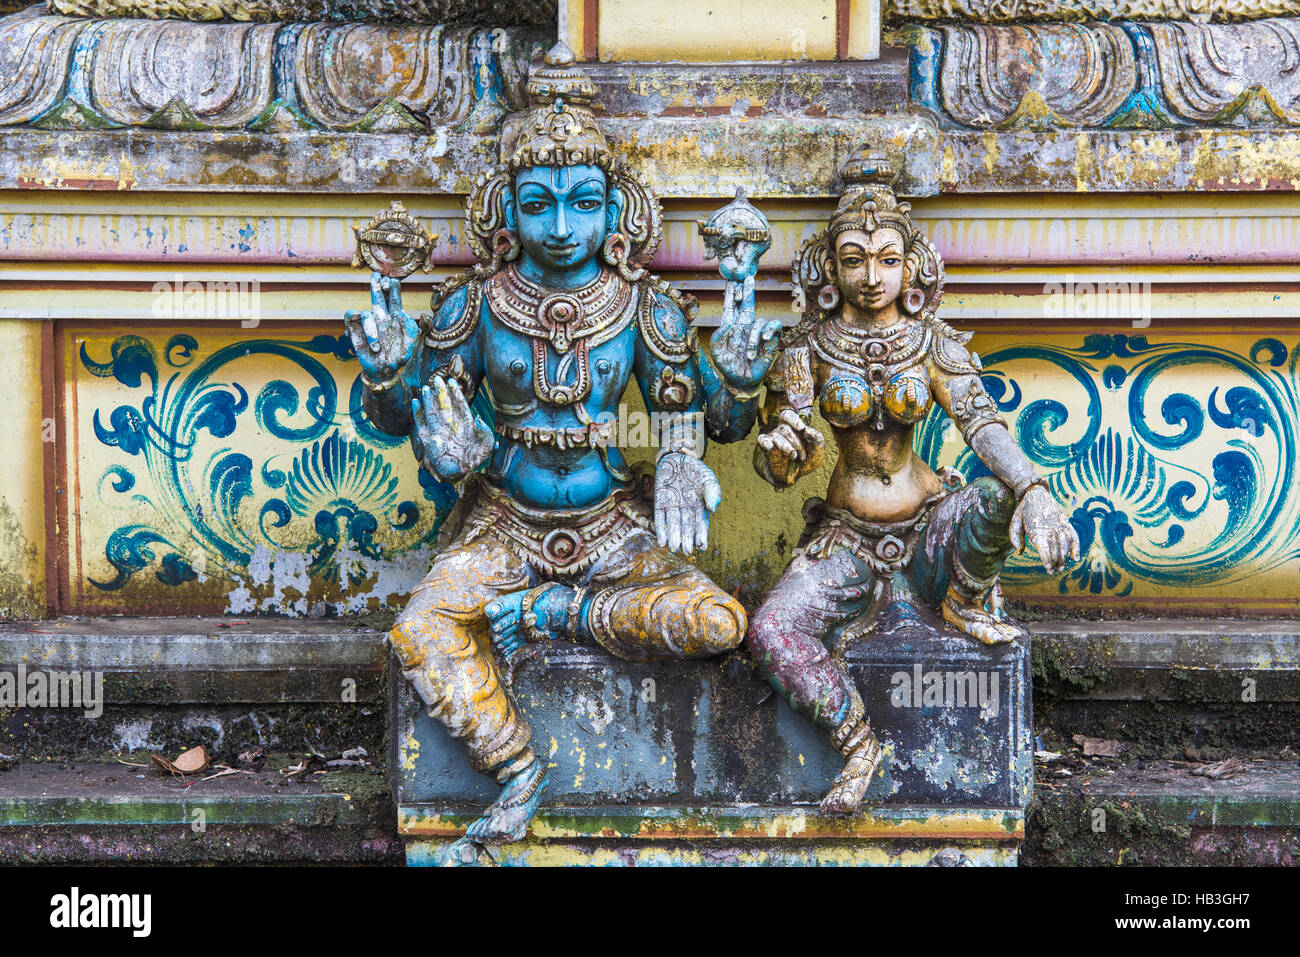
1177	460
273	496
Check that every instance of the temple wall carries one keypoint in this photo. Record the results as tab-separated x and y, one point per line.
1120	239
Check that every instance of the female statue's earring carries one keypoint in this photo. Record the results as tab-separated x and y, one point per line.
828	297
913	300
615	251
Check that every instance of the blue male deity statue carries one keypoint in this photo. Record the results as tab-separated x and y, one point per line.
554	536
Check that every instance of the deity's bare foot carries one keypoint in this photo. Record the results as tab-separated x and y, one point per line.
851	784
980	624
507	819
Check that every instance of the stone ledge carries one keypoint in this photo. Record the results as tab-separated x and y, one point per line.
1157	813
204	660
95	812
283	659
683	156
1168	659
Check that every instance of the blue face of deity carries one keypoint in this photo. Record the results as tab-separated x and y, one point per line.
562	216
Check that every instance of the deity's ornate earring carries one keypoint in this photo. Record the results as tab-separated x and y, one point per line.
913	300
828	297
615	252
505	243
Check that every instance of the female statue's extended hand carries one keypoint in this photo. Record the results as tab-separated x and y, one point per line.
1040	521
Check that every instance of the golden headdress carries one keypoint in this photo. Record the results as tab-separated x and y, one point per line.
560	129
867	204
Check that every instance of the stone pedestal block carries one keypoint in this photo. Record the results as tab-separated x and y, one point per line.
701	762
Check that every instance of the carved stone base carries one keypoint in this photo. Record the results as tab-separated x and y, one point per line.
682	762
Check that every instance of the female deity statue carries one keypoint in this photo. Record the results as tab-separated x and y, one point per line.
873	351
555	537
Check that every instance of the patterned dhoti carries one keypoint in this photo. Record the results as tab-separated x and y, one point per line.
647	603
845	568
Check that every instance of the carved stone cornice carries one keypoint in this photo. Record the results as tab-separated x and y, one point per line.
1145	76
62	73
1020	11
498	12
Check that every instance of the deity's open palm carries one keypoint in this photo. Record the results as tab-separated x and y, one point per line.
687	493
455	441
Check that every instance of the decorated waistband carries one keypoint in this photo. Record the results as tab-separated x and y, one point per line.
596	435
559	542
884	546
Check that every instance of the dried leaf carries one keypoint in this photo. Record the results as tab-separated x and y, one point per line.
191	762
1099	747
1221	770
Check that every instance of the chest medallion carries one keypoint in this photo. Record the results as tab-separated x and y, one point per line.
570	322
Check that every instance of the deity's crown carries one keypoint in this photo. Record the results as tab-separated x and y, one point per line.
868	201
560	129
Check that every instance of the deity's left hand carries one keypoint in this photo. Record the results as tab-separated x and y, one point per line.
455	441
745	344
1041	521
687	493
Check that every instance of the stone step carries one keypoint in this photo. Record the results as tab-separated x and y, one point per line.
1168	659
171	683
206	660
1159	813
1164	685
113	812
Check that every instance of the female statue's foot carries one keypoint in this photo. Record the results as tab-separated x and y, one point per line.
982	625
506	820
850	785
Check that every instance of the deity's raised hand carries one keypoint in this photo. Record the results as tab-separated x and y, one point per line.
383	336
745	344
455	441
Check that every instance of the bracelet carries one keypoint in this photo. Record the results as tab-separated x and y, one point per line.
574	610
381	386
1036	480
528	617
742	395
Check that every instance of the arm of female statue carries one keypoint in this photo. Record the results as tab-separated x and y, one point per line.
1039	519
667	369
789	445
384	338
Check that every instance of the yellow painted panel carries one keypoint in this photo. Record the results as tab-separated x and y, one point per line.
22	482
1174	451
717	30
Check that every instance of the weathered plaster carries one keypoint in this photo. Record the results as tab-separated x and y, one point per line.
22	485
